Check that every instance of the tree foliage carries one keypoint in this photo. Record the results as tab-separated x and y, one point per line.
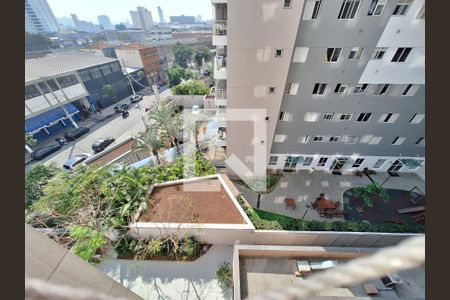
224	275
36	42
36	180
182	53
109	91
200	54
168	121
366	192
150	140
120	26
87	241
176	74
190	87
30	140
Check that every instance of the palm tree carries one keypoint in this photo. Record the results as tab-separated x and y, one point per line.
224	275
170	123
149	140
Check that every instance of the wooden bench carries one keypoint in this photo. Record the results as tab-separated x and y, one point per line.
370	289
419	217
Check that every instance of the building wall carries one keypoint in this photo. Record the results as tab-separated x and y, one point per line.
131	57
39	17
151	62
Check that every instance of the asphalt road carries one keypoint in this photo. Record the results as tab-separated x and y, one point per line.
116	127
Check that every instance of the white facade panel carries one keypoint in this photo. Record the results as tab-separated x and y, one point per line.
219	40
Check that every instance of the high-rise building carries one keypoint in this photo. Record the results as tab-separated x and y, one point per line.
105	22
39	17
182	19
84	26
142	18
342	82
161	16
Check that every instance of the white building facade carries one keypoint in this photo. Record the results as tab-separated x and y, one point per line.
142	18
39	17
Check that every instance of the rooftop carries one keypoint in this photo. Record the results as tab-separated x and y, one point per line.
99	45
204	200
133	46
61	63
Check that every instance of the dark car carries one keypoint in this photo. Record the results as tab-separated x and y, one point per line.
100	144
136	98
40	153
121	108
73	161
76	133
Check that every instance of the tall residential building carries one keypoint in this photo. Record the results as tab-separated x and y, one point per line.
105	22
85	26
343	82
182	19
39	17
161	16
142	18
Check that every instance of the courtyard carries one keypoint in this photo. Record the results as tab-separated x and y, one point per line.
305	186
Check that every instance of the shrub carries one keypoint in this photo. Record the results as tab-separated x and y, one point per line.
36	180
225	275
190	247
87	241
191	87
365	193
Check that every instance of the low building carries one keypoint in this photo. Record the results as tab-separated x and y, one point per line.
141	56
101	48
182	19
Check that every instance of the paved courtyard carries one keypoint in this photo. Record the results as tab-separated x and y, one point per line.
305	186
170	279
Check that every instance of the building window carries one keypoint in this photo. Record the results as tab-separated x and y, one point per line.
319	89
381	89
378	53
421	141
322	161
363	117
311	117
334	139
303	139
417	118
66	81
311	9
291	89
300	54
356	53
402	7
278	52
332	55
348	9
376	7
345	117
398	140
279	138
271	90
286	116
421	14
84	76
31	92
44	87
410	90
340	88
106	70
375	140
358	163
308	161
328	116
287	4
401	54
273	160
360	88
116	68
350	139
388	118
95	73
379	163
318	138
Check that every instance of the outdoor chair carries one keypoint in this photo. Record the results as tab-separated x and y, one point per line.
359	173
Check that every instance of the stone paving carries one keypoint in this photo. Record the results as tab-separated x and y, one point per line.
305	186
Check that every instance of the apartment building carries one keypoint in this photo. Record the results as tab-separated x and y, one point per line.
142	18
39	17
343	81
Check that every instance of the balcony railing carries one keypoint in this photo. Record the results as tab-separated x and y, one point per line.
221	94
221	62
220	27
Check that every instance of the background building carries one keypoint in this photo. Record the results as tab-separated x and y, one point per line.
105	22
345	90
101	48
84	26
142	18
161	16
39	17
182	19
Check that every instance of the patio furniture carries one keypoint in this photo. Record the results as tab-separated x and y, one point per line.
369	172
370	289
325	204
419	217
289	202
391	279
411	209
358	173
322	196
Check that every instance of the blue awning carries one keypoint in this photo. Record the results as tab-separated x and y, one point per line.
48	118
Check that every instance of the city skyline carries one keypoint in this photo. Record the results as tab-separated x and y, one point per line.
118	11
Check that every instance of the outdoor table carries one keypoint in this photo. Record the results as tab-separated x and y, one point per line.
289	203
325	204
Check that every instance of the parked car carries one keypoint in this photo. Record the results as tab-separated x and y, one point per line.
73	161
42	152
136	98
76	133
121	108
100	144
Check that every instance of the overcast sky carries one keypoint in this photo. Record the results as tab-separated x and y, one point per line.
119	10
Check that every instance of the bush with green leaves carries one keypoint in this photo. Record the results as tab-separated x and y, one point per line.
176	74
366	192
190	87
36	180
87	241
224	275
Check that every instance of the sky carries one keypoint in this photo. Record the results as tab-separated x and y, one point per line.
119	10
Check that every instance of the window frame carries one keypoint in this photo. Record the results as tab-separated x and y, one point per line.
273	162
345	118
322	161
375	4
377	51
364	118
359	52
318	138
303	139
358	162
397	138
349	15
410	90
328	116
420	141
401	55
421	116
287	7
339	86
307	161
360	88
334	139
381	89
332	56
402	7
378	165
319	85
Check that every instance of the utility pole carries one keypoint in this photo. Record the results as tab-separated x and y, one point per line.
128	77
44	80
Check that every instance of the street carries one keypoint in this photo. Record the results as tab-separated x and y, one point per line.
115	127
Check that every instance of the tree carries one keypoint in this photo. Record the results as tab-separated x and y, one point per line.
200	54
149	140
36	180
36	42
30	141
176	74
110	92
120	26
182	53
168	121
224	275
191	87
365	193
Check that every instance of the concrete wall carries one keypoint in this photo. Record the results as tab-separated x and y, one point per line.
188	101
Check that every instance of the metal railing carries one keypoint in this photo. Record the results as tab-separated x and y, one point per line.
221	94
220	27
221	62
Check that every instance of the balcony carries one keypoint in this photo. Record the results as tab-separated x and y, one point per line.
221	97
220	67
221	118
219	33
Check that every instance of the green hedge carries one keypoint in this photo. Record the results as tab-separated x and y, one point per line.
264	220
